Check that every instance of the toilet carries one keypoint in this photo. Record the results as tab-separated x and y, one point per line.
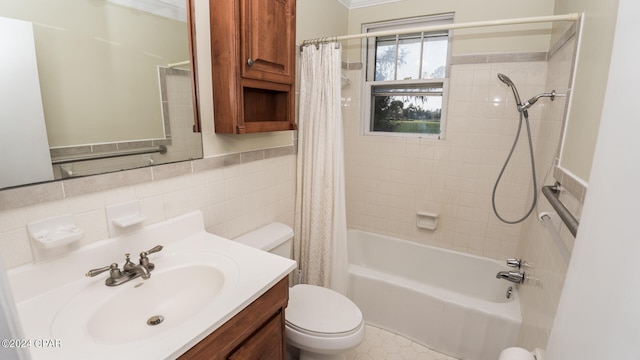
518	353
320	323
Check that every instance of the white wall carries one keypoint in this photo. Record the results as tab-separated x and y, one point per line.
599	317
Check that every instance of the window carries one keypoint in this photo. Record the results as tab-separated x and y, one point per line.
406	78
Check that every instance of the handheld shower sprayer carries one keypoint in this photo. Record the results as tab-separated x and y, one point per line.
520	106
524	118
505	79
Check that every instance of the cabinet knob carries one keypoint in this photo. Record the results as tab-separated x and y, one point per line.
250	62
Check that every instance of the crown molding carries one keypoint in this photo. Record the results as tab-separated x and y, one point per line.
355	4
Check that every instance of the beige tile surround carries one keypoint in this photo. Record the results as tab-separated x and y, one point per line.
58	190
236	193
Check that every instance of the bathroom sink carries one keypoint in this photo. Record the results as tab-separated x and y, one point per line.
179	289
154	305
200	282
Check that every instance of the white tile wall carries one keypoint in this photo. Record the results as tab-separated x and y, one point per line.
234	200
389	179
539	299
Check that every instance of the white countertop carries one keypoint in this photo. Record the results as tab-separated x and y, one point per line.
46	290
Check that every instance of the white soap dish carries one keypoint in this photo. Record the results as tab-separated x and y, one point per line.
427	220
55	232
128	220
124	218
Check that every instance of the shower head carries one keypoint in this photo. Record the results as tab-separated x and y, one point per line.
505	79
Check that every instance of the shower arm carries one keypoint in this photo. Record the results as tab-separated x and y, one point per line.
527	104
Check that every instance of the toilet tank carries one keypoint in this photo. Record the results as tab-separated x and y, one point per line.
275	238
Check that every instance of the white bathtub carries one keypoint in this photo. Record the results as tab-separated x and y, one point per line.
446	300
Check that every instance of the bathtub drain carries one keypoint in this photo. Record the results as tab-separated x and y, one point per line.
509	292
155	320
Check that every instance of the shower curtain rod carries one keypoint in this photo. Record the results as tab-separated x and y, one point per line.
528	20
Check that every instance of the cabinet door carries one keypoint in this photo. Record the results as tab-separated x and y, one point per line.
266	344
267	29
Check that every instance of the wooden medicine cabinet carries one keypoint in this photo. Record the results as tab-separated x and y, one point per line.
253	65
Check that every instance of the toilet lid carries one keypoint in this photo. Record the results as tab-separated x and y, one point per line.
321	310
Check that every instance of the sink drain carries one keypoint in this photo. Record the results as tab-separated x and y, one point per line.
155	320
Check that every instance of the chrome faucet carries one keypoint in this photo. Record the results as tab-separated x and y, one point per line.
513	276
136	270
129	271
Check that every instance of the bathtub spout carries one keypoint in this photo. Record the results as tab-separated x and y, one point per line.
513	276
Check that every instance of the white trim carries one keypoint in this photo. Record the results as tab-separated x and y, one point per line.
356	4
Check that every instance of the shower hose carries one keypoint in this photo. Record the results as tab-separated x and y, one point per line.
523	118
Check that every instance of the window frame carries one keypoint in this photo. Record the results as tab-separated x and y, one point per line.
368	71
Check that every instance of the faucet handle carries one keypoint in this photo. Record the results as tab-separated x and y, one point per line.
515	263
144	260
154	249
94	272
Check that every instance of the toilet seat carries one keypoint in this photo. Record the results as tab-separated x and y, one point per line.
323	312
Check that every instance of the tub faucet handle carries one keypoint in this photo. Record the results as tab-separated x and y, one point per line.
515	263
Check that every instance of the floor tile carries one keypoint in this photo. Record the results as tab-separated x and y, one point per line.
380	344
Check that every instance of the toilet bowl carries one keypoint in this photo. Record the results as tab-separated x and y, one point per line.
518	353
320	323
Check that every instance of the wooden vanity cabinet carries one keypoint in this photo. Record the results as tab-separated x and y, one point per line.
256	333
253	65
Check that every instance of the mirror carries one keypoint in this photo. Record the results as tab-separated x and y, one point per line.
111	82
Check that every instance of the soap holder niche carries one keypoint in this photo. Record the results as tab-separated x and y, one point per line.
427	220
55	232
124	218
